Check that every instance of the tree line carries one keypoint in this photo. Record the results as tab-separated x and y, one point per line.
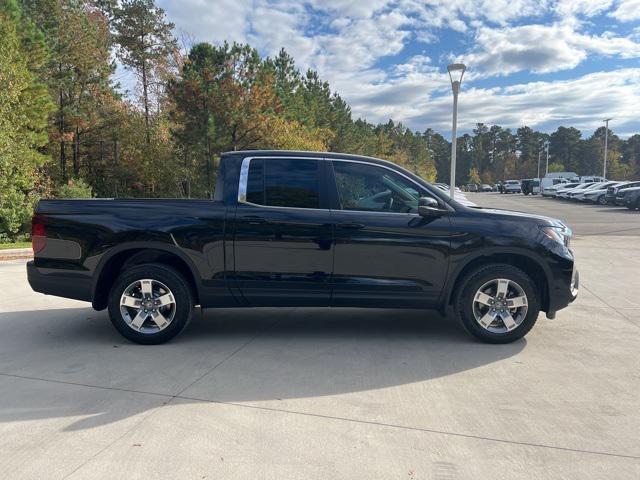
66	130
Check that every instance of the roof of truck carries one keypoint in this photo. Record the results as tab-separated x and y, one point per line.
296	153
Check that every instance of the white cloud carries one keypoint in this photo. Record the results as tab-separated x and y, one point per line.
627	10
210	21
459	15
350	8
581	102
541	48
588	8
347	40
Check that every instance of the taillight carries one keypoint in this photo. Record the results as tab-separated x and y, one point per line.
38	234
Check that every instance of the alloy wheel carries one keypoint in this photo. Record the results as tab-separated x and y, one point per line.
147	306
500	305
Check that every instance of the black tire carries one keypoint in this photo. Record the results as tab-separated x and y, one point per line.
601	200
464	302
179	288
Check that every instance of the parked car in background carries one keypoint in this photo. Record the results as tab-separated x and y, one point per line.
588	179
446	186
566	176
631	198
557	189
612	192
530	186
566	194
459	196
472	187
596	194
486	188
577	192
511	186
549	185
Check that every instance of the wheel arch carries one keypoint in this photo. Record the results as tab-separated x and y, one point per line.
522	260
125	256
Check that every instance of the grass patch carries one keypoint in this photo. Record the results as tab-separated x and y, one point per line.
7	246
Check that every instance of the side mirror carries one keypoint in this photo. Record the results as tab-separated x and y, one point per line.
429	207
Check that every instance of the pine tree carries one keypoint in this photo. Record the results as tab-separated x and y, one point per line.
24	108
145	40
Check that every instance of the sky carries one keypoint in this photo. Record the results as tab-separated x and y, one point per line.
539	63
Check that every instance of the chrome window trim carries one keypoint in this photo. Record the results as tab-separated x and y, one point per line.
244	178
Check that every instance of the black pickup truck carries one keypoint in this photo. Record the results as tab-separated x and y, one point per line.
303	229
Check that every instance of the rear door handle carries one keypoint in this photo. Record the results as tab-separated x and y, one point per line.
351	225
254	220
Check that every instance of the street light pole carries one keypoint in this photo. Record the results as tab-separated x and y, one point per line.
546	169
606	139
539	153
453	69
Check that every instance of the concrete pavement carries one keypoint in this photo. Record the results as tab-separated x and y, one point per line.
318	394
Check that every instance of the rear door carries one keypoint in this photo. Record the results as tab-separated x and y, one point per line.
386	255
283	235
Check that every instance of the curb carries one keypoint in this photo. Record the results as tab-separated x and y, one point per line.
16	254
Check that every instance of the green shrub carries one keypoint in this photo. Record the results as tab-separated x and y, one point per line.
77	188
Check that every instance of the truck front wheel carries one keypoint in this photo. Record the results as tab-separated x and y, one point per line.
497	303
150	304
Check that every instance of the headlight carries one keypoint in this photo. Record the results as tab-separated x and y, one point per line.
562	235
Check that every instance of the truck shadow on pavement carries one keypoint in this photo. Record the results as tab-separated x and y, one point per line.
72	363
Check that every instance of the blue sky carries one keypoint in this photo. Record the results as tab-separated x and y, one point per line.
535	62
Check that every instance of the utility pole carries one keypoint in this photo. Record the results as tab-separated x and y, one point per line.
546	170
539	153
606	138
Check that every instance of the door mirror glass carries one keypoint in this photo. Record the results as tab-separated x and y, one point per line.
428	207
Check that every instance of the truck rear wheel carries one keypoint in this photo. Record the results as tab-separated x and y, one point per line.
497	303
150	304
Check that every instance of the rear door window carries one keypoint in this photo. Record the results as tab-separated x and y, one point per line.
284	183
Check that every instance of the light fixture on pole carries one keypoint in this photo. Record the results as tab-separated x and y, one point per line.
546	169
606	138
456	72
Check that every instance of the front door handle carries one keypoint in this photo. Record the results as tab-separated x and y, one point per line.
351	225
254	220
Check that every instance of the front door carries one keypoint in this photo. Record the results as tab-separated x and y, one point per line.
386	255
282	239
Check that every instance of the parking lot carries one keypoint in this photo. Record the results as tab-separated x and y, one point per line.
319	394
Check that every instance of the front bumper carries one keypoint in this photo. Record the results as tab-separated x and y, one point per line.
562	277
